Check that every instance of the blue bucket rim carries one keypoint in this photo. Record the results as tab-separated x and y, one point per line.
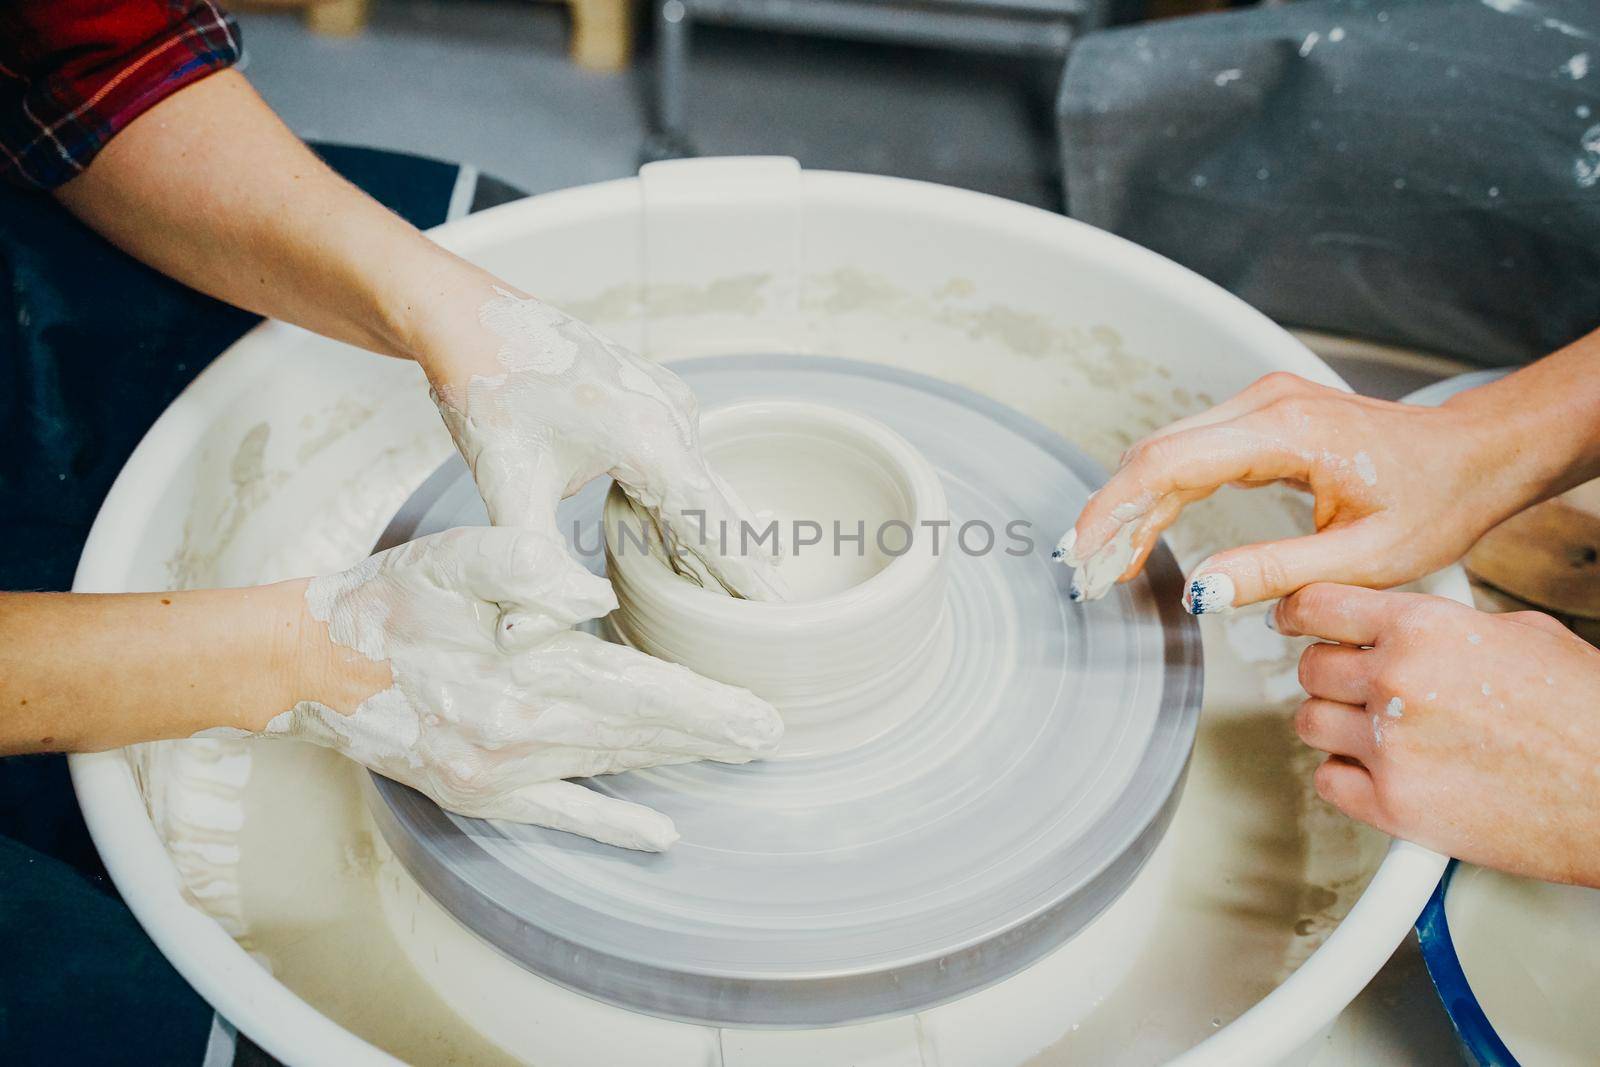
1473	1029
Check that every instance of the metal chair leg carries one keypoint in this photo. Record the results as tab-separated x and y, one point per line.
669	139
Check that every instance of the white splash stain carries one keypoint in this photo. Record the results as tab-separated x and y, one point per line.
1377	730
1129	510
1506	7
1566	28
1577	67
1232	74
1309	43
1396	708
1365	468
1433	696
1586	168
1475	639
1336	34
1582	111
1485	688
1549	680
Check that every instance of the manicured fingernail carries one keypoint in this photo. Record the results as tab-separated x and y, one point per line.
1063	549
1271	617
1208	594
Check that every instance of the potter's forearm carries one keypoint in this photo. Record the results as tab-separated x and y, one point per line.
1541	426
88	672
212	189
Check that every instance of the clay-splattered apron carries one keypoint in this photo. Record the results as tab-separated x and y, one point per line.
1424	173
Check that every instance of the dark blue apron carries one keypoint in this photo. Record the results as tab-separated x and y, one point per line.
93	347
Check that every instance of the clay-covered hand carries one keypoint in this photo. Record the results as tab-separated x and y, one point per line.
540	404
492	699
1476	735
1400	491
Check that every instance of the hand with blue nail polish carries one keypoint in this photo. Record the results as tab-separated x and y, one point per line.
1400	490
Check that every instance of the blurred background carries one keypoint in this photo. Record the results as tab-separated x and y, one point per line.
1422	173
551	94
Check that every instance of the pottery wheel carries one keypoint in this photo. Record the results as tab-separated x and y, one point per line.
942	857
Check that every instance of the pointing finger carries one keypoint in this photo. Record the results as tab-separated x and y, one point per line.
1140	483
1149	533
1185	466
1258	394
1274	569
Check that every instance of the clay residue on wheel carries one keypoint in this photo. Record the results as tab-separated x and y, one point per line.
1264	869
313	923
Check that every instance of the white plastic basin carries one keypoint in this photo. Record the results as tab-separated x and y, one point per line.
289	454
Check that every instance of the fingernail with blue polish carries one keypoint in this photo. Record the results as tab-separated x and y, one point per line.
1063	549
1271	617
1208	594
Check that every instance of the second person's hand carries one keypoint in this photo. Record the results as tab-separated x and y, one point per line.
1399	490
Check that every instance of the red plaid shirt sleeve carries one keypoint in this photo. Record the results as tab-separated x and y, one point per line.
75	72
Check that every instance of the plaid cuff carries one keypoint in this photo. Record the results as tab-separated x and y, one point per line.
54	123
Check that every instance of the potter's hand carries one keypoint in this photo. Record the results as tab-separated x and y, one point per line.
1400	491
540	404
1472	734
492	699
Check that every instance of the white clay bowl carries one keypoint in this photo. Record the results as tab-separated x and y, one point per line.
849	655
